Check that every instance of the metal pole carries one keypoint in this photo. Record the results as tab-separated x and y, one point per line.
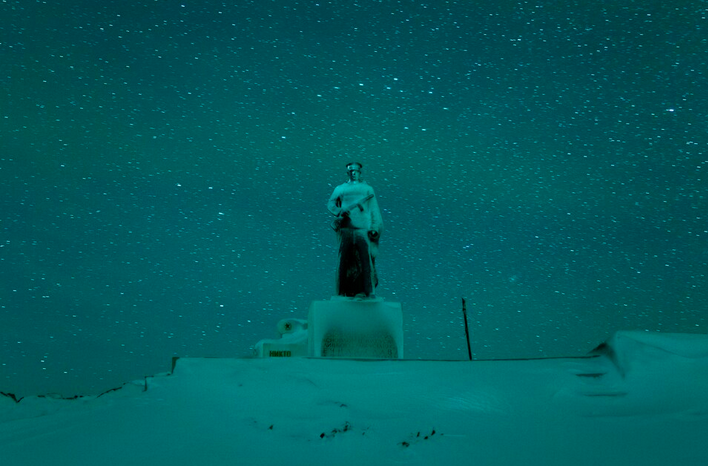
467	330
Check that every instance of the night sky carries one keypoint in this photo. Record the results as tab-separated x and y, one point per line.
165	168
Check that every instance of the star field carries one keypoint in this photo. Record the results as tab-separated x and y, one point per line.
165	168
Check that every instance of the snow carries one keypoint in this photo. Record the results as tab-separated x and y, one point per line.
640	399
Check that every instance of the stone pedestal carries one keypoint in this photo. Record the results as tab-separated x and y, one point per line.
355	328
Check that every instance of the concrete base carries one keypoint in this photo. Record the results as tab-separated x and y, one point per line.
355	328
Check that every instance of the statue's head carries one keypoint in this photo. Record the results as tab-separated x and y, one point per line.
354	171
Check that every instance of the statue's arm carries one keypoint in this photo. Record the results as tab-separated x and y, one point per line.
376	219
334	205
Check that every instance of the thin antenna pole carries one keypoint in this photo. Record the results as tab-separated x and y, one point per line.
467	330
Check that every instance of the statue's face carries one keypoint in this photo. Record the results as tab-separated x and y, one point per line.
354	175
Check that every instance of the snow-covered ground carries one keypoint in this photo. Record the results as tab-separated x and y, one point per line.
641	399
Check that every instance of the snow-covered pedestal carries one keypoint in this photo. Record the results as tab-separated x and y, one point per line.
355	328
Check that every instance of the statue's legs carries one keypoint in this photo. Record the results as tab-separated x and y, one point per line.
361	243
345	236
355	273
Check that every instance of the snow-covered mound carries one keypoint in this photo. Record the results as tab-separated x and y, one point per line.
639	399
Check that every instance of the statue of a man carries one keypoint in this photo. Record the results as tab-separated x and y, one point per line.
358	226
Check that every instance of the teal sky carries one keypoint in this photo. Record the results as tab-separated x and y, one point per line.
165	168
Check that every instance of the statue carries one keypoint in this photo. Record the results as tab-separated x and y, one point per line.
358	226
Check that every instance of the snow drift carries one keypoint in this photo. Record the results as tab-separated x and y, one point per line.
639	399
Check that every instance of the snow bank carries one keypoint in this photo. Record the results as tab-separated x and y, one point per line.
641	399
